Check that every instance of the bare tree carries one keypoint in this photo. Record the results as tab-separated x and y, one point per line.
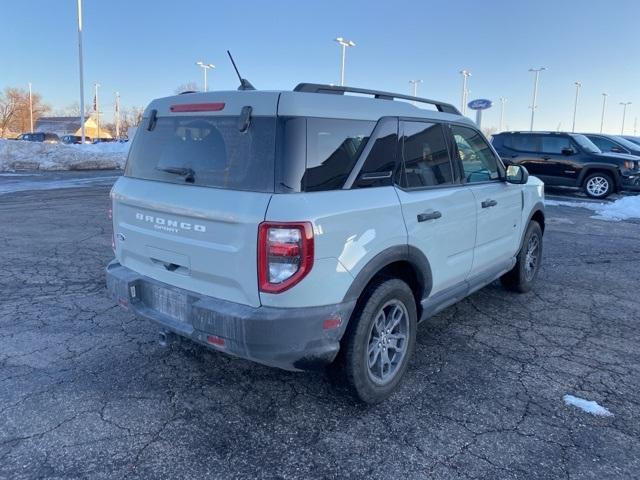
15	115
9	104
187	87
134	116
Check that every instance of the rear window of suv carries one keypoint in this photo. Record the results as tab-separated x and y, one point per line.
206	151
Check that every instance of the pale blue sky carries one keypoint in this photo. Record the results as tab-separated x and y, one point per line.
145	49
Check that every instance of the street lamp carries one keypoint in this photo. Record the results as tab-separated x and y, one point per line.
624	114
81	70
604	106
536	72
415	83
343	46
575	105
96	107
30	108
205	67
463	103
503	100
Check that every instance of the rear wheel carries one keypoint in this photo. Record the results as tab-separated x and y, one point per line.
379	341
598	185
522	276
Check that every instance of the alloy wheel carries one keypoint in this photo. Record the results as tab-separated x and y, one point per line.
597	186
388	341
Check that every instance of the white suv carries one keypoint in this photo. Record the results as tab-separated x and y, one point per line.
312	227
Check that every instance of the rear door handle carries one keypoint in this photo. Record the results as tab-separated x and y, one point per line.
423	217
489	203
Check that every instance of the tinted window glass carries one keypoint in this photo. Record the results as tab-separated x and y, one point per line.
479	163
333	147
381	158
602	143
554	143
426	159
524	143
208	151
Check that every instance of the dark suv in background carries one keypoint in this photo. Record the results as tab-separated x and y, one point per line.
571	160
613	144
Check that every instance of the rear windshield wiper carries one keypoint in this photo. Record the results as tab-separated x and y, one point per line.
187	173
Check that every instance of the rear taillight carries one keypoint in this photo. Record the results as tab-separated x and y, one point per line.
285	254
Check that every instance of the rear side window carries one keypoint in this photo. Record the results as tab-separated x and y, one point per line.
554	144
333	147
380	163
426	160
206	151
523	143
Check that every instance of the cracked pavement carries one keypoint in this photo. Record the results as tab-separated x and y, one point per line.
87	392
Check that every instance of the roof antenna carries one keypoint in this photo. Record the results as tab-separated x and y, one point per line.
244	83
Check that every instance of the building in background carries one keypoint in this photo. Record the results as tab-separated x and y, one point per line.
70	126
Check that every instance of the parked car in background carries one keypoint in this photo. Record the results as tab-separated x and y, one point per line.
103	140
571	160
614	144
39	137
635	140
74	139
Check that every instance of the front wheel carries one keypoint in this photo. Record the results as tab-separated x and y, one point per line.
380	341
598	185
521	277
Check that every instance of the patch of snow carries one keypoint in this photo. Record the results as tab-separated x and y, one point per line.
20	155
622	209
56	184
588	406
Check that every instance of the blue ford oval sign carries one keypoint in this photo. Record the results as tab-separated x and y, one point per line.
480	104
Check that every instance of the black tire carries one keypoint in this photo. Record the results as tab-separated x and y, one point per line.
521	278
598	185
353	361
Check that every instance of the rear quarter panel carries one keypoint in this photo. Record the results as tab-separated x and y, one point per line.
350	228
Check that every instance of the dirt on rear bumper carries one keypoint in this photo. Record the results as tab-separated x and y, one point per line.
287	338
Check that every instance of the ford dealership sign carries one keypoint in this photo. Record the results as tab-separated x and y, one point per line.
480	104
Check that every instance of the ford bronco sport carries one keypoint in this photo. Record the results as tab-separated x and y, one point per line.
312	227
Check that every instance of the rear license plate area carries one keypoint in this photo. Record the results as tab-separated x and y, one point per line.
168	302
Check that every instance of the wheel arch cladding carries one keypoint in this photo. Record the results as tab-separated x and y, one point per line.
405	262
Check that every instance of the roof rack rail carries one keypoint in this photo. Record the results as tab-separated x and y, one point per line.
340	90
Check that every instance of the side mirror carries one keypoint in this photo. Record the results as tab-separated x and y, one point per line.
567	151
517	174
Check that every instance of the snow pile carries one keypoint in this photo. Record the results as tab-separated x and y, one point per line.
588	406
19	155
622	209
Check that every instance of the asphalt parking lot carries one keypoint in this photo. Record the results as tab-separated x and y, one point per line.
87	392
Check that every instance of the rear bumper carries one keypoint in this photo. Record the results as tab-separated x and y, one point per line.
287	338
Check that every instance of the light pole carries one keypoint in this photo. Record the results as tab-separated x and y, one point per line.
604	107
30	108
575	105
205	67
624	114
117	111
343	46
96	107
463	103
81	70
536	72
502	102
414	84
